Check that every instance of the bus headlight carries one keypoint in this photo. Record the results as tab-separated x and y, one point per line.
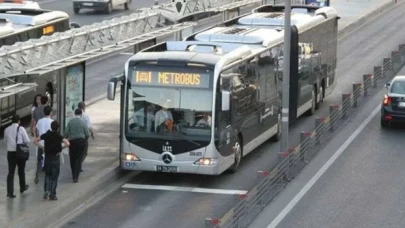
131	157
206	161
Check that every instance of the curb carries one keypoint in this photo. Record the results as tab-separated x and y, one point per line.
367	18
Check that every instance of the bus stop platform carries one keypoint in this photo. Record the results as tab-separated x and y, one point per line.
101	167
99	170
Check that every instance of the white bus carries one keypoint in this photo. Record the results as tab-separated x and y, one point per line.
313	49
19	24
230	75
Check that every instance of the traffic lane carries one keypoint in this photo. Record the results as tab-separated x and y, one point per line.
88	16
266	156
152	208
365	187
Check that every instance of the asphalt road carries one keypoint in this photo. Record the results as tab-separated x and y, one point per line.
88	16
364	187
127	207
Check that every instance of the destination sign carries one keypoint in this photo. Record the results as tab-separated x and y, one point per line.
173	79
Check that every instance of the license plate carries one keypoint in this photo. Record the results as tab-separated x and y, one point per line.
401	104
166	169
88	4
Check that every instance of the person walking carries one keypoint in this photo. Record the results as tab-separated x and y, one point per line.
39	114
77	133
37	102
86	119
52	147
43	125
13	135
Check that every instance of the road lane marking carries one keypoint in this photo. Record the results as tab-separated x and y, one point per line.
48	1
184	189
113	16
321	171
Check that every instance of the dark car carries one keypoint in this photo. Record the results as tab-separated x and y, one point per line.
393	104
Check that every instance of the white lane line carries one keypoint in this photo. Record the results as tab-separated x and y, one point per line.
126	53
113	16
325	167
184	189
48	1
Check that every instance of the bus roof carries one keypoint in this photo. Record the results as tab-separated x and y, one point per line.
19	4
240	35
184	58
21	18
301	17
5	27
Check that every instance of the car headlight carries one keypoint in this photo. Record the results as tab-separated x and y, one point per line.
131	157
206	161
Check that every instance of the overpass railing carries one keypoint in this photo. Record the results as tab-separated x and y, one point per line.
87	42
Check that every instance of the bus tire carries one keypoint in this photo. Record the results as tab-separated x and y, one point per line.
238	156
321	92
311	111
108	8
126	5
277	136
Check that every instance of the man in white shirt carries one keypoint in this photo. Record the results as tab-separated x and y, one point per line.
10	136
86	119
205	121
163	116
43	125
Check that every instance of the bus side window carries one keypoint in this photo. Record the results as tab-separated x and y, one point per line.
224	117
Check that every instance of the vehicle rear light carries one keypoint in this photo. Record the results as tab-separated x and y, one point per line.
388	117
387	100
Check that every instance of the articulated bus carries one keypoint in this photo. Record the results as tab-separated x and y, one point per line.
199	106
19	24
313	49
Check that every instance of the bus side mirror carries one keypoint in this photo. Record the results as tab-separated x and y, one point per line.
226	99
112	84
111	90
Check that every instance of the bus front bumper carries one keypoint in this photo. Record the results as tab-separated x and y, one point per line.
175	167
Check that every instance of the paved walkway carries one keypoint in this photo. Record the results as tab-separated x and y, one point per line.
29	207
100	167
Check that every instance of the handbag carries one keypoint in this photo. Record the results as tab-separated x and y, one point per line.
22	149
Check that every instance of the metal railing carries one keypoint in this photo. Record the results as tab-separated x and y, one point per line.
99	39
294	160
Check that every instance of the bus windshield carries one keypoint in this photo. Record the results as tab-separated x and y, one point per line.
169	104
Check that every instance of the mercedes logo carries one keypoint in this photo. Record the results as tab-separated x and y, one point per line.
167	158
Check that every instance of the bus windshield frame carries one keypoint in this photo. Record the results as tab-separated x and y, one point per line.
186	104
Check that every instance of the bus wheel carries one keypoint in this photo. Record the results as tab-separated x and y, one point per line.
238	157
318	104
311	111
126	5
108	9
277	136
